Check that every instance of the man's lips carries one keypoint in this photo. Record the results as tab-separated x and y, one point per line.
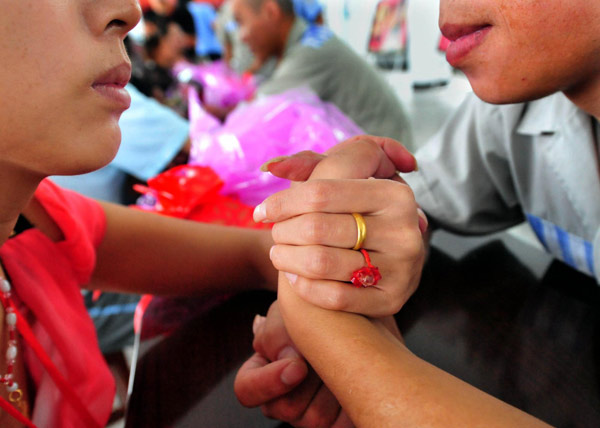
463	40
454	32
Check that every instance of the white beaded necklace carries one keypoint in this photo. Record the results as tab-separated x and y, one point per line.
14	393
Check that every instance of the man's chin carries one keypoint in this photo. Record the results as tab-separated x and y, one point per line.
496	93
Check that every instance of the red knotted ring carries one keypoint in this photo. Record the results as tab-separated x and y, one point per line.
367	276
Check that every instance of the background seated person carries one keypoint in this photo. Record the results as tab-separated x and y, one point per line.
236	53
311	55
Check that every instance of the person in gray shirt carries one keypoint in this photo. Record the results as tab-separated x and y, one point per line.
312	56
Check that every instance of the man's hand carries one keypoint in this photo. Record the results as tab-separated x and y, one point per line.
278	379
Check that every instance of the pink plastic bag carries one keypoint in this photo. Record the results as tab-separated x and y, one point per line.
255	132
221	86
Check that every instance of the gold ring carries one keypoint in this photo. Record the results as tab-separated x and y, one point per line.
15	396
361	228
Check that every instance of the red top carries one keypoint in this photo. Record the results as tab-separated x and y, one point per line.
46	279
145	5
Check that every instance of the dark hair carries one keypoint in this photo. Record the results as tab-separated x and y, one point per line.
286	6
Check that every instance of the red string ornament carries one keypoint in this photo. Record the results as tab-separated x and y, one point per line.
367	276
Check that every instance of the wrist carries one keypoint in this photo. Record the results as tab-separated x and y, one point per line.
262	262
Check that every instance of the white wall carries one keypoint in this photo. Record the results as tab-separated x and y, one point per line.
427	109
351	20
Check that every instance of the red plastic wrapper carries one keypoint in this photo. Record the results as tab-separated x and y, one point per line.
192	192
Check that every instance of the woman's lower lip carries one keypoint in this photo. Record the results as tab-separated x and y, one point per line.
462	46
117	94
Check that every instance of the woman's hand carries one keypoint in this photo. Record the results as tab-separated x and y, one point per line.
276	378
314	230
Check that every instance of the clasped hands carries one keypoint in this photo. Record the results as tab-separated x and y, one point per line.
314	233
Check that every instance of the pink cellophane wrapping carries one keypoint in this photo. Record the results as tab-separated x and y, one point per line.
258	131
222	87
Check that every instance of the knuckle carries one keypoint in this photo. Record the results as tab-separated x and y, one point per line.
268	342
241	392
257	344
275	206
413	246
269	412
337	299
243	401
316	420
317	194
320	263
315	230
320	416
401	194
406	242
278	256
360	139
396	236
366	145
305	289
277	232
285	409
392	304
370	145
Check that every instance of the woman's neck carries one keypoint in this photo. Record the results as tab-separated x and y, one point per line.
16	190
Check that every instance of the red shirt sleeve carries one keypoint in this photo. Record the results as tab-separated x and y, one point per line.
81	220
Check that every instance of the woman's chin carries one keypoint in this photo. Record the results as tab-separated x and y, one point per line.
77	169
88	162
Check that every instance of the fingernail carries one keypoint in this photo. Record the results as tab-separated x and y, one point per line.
259	320
291	277
288	352
416	165
260	213
423	222
265	166
293	373
271	252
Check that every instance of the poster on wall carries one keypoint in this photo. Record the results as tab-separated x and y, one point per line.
389	34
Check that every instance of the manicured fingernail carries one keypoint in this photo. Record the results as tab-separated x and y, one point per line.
416	165
265	166
291	277
260	213
423	222
293	373
288	352
259	320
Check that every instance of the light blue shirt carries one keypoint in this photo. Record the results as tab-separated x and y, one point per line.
206	40
152	134
309	10
491	167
